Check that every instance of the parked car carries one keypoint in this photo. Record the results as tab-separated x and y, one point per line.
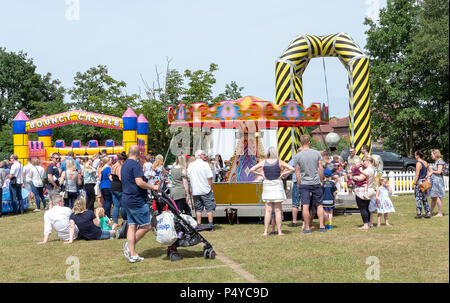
391	160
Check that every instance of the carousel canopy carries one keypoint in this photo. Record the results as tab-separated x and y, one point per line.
248	112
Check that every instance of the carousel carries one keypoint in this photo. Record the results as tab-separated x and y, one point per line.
249	116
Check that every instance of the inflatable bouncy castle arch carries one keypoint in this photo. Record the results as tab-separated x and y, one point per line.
134	130
289	69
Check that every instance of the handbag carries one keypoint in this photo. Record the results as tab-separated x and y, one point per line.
425	186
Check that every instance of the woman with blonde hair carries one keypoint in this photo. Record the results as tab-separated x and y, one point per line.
87	222
156	171
273	171
71	180
437	190
89	177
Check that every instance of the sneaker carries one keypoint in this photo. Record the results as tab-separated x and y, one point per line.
36	210
213	228
306	231
126	250
428	216
418	217
292	224
135	259
323	230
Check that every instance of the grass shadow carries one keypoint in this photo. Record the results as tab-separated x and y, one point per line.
158	252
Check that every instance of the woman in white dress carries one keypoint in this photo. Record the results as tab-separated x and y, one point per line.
273	171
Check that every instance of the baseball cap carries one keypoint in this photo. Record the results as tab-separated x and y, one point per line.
327	172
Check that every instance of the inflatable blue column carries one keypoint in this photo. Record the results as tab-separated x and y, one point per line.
142	131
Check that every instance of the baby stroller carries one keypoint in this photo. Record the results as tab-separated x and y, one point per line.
187	235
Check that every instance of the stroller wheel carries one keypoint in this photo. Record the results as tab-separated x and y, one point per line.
212	254
209	253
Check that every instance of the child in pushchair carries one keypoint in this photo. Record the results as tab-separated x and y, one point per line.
185	226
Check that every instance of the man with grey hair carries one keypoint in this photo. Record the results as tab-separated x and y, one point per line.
200	176
57	217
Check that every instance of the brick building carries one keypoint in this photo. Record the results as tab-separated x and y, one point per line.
339	126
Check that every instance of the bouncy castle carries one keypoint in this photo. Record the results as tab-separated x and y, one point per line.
134	130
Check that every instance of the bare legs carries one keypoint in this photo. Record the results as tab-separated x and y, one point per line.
268	216
438	201
134	236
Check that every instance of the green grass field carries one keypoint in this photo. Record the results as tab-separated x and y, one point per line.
410	251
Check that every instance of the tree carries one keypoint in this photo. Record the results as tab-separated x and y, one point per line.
96	91
403	110
175	88
21	88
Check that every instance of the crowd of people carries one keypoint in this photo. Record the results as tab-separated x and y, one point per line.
120	186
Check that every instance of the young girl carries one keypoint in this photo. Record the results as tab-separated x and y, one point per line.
384	204
105	222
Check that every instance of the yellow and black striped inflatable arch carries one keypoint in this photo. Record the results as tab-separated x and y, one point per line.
289	69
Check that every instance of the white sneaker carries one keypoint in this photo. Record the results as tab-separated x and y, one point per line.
135	259
36	210
126	250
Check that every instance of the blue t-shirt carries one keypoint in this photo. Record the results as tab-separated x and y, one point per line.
104	180
132	195
328	190
86	228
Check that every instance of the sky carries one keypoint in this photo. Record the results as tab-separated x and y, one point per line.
133	37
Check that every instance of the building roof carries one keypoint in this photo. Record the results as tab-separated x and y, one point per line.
332	124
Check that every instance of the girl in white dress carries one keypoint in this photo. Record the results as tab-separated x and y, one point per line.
384	203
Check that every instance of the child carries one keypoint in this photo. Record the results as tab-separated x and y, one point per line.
329	196
105	222
356	171
384	204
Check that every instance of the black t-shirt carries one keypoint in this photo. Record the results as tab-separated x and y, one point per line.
132	195
86	228
53	171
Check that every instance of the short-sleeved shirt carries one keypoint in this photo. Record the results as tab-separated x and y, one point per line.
199	172
86	228
104	224
308	161
132	195
26	171
17	171
329	188
54	172
104	181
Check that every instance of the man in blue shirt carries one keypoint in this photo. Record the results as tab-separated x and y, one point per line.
134	200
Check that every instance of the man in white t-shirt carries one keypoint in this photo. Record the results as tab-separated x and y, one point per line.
200	176
15	184
57	217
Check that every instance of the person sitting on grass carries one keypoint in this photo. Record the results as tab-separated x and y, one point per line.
87	222
105	222
57	217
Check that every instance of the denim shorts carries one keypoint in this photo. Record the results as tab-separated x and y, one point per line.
207	202
295	195
105	235
138	215
311	194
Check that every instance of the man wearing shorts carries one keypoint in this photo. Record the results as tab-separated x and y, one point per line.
134	200
200	176
309	169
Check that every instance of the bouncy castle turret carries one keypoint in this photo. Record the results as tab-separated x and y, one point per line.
130	123
142	130
20	137
45	136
